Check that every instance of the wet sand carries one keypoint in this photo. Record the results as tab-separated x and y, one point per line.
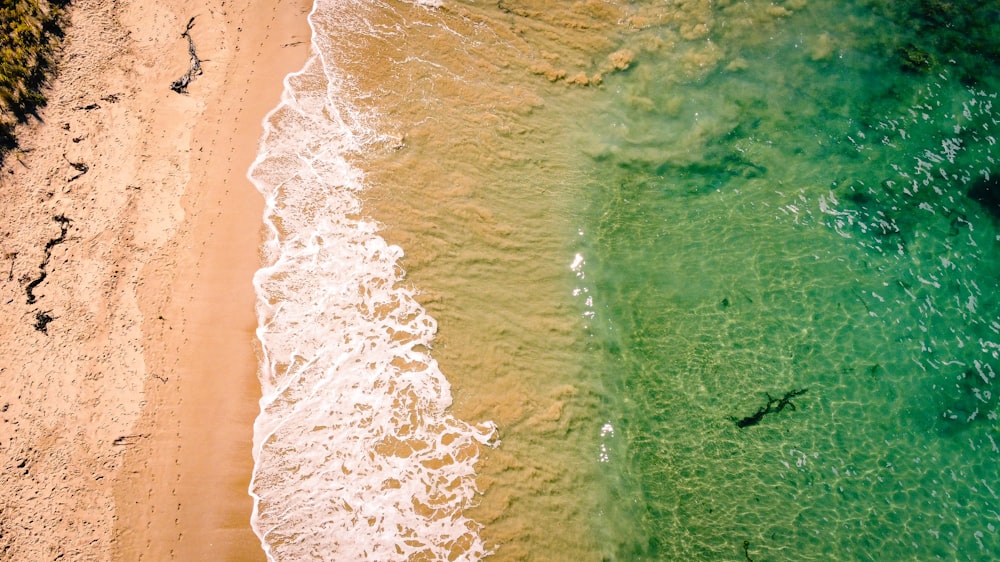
128	372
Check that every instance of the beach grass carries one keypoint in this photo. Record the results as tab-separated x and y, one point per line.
31	31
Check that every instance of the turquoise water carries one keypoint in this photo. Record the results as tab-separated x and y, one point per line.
816	234
722	274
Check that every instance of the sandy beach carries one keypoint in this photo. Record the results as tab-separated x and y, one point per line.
128	381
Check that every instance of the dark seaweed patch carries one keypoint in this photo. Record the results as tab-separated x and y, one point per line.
42	268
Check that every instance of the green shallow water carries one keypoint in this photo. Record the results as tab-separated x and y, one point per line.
756	198
813	233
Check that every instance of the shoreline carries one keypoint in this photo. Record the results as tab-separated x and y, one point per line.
128	423
199	507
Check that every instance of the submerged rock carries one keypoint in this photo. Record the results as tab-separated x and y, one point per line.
986	191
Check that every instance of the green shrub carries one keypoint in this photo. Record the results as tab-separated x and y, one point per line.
30	31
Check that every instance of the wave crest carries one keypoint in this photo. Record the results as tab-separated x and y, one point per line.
355	454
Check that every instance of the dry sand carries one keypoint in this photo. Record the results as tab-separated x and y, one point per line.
125	430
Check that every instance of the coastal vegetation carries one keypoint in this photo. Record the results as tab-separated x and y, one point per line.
30	32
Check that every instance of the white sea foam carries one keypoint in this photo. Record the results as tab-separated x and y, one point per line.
355	454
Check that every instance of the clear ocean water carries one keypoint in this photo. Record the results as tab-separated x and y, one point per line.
605	280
